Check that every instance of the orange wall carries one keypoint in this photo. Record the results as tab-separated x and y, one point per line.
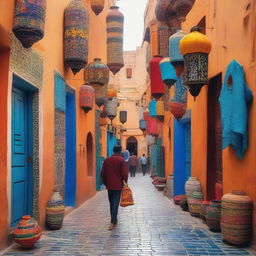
231	28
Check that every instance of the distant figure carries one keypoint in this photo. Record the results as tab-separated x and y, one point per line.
143	162
113	173
133	164
125	155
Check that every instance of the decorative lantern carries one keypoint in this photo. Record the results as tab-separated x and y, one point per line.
111	108
157	85
96	73
123	116
160	109
115	20
112	93
103	121
195	47
178	104
86	98
182	8
100	94
175	55
104	113
152	128
168	72
166	98
76	35
152	108
161	9
97	6
29	20
143	124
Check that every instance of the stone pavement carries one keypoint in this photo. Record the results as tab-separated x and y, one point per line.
153	226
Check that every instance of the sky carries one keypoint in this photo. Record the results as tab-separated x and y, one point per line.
133	11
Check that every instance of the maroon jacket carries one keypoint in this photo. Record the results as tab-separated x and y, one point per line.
113	172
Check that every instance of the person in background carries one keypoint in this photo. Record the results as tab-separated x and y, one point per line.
133	164
125	155
113	173
143	162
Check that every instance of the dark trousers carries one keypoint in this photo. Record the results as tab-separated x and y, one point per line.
114	199
144	169
133	170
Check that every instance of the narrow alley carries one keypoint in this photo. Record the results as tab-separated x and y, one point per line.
153	226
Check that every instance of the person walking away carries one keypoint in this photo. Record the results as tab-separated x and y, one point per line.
125	155
133	163
113	174
143	162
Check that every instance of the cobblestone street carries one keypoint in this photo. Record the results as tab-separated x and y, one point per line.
153	226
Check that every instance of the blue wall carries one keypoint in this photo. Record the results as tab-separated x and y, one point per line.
111	139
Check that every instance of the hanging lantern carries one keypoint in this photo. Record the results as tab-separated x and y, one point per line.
175	55
100	94
178	104
112	93
111	108
115	20
168	72
96	73
195	47
86	98
172	20
160	110
104	113
76	33
152	126
103	121
157	85
143	124
182	8
152	108
29	20
97	6
161	9
123	116
166	98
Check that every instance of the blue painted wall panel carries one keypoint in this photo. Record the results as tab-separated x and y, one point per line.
59	93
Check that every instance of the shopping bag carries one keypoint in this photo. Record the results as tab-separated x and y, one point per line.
126	197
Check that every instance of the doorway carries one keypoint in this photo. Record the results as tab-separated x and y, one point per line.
132	145
70	173
214	142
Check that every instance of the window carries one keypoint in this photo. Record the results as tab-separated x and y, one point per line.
129	73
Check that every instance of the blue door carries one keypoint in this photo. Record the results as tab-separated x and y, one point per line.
21	182
70	174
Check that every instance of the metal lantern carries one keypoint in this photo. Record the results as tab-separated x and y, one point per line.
178	103
161	9
76	33
115	20
103	112
160	109
157	85
123	116
112	93
29	21
97	6
152	108
143	125
86	98
111	108
195	47
100	94
96	73
176	58
182	8
168	72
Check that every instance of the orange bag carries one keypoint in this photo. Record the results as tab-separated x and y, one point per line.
126	198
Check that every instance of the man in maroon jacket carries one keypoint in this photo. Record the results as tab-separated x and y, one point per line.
114	172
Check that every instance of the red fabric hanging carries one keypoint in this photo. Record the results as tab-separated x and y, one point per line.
157	85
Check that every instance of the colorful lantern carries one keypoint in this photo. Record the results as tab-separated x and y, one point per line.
104	113
29	20
100	94
96	73
157	85
168	72
123	116
178	104
97	6
152	128
115	20
195	47
112	93
182	8
76	35
86	98
161	9
160	109
111	108
143	124
152	108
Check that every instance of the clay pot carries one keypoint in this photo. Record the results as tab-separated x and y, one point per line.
27	232
192	185
212	216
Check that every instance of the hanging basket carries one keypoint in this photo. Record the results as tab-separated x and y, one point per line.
29	21
76	33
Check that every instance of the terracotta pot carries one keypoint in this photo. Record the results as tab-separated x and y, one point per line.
27	232
212	216
236	217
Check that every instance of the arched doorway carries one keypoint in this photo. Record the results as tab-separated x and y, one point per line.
89	154
132	145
